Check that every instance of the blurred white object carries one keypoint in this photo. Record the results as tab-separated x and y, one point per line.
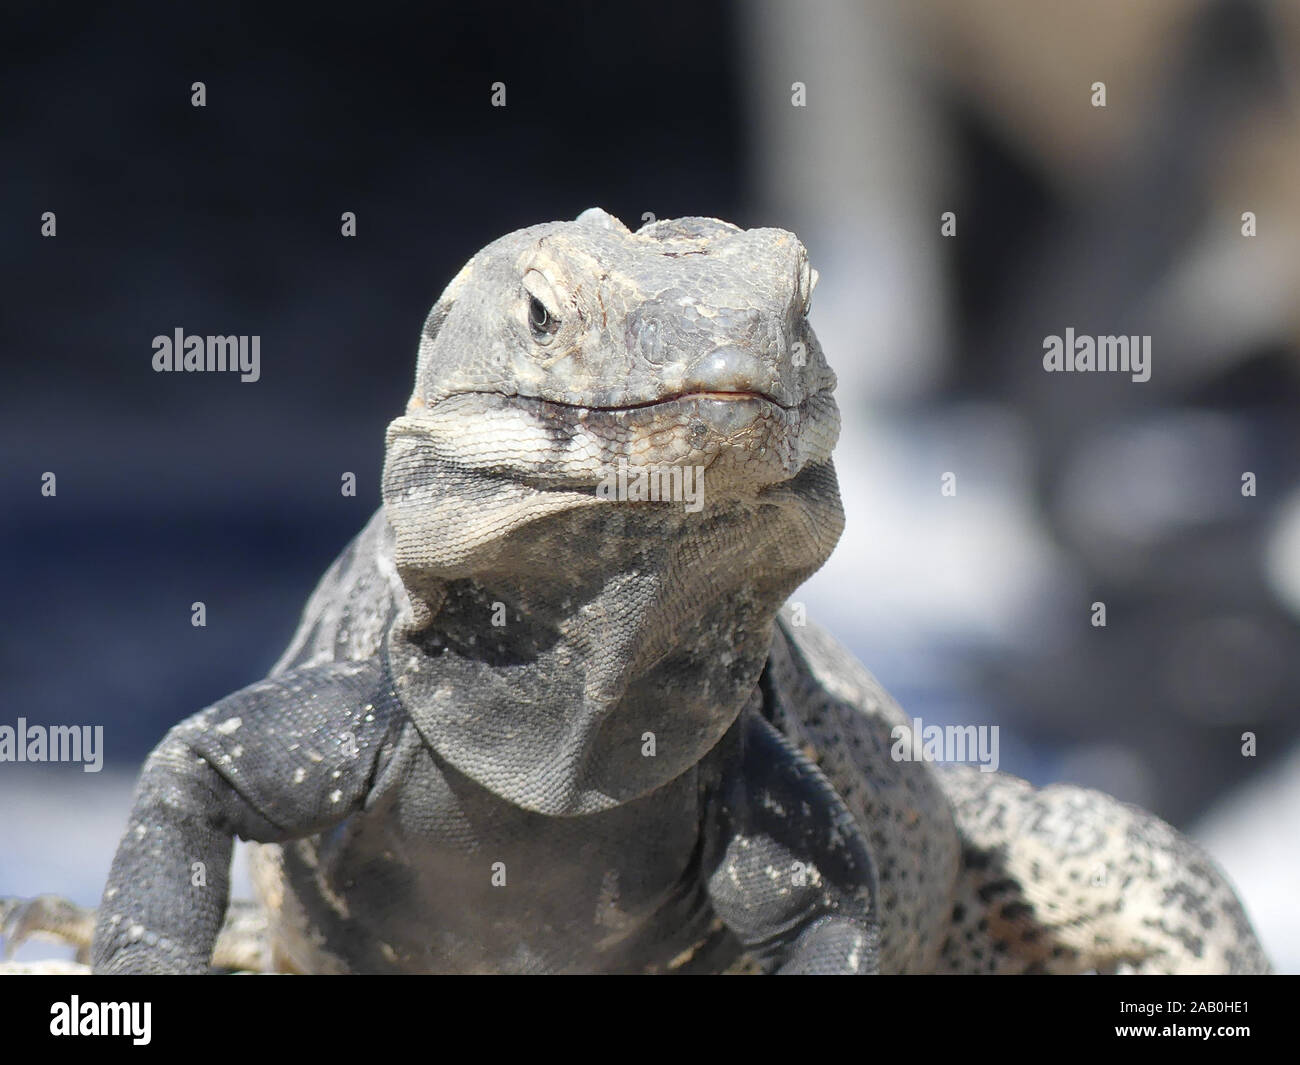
1252	835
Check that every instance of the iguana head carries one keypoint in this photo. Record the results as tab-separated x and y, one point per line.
582	343
562	357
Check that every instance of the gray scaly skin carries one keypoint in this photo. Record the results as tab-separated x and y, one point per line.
523	728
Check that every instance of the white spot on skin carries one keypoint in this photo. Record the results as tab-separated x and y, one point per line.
229	725
299	775
335	796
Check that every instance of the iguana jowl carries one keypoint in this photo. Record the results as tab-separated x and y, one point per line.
526	728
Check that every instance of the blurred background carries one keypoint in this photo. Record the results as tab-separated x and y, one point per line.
1071	489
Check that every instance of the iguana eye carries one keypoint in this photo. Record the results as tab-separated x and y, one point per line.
540	319
807	283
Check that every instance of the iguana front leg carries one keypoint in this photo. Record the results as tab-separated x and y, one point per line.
279	760
794	881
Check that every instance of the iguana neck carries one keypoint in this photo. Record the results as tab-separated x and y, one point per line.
597	653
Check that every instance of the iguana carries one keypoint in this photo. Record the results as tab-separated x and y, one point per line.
541	717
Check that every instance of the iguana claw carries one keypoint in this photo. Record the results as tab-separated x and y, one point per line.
47	917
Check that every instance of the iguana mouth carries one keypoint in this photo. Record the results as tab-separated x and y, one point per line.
659	401
730	397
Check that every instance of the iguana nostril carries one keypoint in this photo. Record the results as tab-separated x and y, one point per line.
728	370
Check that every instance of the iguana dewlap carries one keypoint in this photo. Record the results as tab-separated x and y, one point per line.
528	727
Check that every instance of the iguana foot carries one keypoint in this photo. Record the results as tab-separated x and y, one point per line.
243	944
46	917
